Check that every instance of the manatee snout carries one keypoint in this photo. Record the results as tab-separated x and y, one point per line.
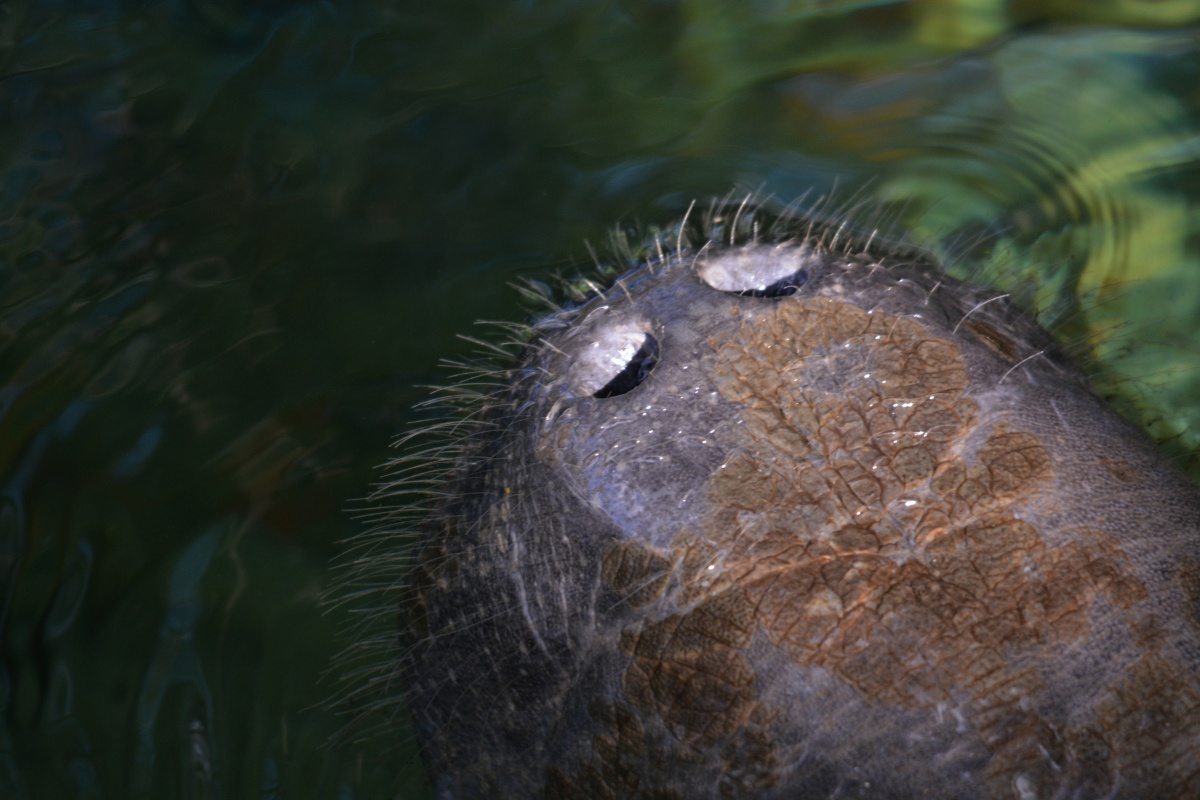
803	519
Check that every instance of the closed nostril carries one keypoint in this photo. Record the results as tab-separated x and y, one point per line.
757	271
616	361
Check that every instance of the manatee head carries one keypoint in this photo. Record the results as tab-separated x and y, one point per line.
799	517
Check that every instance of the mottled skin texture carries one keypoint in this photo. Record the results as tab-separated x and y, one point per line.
872	539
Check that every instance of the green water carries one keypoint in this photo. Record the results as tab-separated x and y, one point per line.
234	236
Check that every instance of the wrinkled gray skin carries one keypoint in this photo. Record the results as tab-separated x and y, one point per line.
682	589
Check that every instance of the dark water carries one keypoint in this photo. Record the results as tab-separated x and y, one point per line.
235	235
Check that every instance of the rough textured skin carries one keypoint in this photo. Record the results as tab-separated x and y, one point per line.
873	538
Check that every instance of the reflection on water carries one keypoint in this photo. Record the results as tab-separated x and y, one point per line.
234	237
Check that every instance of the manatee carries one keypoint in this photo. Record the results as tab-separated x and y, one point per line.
796	515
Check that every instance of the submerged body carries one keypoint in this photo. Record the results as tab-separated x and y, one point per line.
786	521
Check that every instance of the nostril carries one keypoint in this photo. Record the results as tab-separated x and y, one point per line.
636	371
761	271
617	361
780	288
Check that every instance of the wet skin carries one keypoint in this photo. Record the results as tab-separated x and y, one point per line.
774	521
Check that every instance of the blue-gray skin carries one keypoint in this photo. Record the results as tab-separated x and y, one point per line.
789	520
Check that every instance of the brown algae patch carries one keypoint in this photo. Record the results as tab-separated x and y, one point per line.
860	532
